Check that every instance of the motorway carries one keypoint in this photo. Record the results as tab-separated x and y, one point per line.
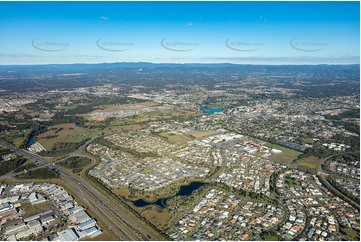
116	219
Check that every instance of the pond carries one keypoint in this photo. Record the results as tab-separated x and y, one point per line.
188	189
210	110
162	202
31	139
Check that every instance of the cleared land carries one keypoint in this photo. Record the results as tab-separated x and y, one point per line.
287	155
351	234
202	133
174	138
112	108
64	133
121	191
157	216
30	209
309	162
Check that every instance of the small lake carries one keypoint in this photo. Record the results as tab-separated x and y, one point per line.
77	124
188	189
31	139
210	110
162	202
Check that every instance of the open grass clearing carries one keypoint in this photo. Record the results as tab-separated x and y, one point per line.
65	133
309	162
30	209
68	107
286	156
112	108
351	234
202	133
284	149
121	191
175	138
157	216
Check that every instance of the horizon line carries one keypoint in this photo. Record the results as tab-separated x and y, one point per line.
176	63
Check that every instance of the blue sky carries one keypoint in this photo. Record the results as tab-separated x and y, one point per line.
181	32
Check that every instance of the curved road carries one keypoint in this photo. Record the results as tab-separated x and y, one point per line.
321	173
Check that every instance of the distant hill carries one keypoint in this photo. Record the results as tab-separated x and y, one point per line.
54	67
77	67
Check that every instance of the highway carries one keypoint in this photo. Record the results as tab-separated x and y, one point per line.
117	220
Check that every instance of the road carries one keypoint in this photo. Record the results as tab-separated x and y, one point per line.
321	174
117	220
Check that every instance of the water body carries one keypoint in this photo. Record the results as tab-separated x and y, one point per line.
31	139
162	202
188	189
77	124
203	108
214	110
210	110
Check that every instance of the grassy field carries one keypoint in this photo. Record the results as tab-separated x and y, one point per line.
308	141
18	141
65	133
68	107
269	237
309	162
141	117
157	216
30	209
112	108
351	234
35	113
157	115
121	191
201	133
287	155
116	108
175	138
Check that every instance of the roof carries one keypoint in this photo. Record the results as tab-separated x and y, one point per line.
92	231
4	206
75	209
47	219
8	213
87	223
81	216
67	235
34	224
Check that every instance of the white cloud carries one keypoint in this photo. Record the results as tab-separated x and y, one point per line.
104	18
